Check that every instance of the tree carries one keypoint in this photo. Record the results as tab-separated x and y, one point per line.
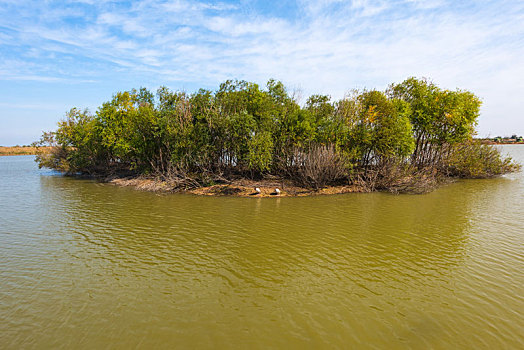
439	117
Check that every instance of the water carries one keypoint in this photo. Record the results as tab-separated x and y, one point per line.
89	265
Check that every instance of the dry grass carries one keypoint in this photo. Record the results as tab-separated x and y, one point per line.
19	151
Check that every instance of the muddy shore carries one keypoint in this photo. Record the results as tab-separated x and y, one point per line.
237	188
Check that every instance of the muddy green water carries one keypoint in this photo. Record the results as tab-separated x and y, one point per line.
89	265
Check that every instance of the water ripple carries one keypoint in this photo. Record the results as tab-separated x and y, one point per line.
90	265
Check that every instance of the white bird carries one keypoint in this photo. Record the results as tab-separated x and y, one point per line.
277	191
257	190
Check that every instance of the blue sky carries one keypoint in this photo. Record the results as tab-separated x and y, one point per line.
55	55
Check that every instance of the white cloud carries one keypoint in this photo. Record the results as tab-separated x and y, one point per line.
330	46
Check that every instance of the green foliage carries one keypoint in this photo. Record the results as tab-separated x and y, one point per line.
474	160
260	152
242	129
378	128
439	117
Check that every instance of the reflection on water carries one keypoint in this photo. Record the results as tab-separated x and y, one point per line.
88	265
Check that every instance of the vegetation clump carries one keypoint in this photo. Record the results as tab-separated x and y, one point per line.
475	160
403	139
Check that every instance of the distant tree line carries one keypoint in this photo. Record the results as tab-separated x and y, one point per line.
512	139
377	138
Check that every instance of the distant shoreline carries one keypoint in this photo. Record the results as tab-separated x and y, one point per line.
503	142
17	151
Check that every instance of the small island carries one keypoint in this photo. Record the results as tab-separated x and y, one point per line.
409	138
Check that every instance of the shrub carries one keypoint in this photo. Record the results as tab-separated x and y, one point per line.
475	160
319	166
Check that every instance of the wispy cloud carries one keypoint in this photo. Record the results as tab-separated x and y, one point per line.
323	46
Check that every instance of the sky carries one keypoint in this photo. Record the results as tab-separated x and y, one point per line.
55	55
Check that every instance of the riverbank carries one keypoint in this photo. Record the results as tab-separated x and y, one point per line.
21	150
415	182
236	188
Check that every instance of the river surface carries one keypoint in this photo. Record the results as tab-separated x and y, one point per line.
85	265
